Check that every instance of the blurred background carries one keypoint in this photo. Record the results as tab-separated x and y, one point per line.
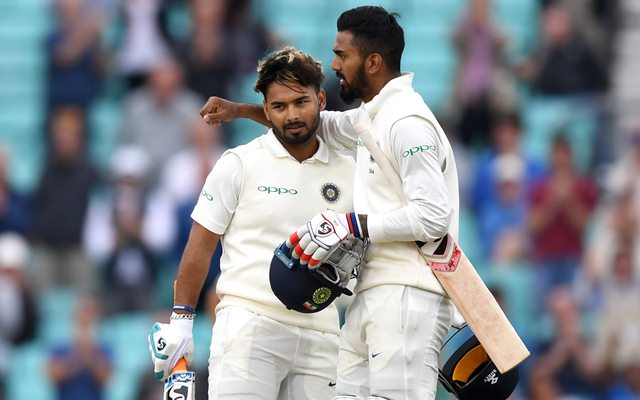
103	154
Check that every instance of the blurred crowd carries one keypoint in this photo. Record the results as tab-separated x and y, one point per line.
555	232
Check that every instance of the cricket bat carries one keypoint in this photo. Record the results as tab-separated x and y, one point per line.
477	305
181	384
462	283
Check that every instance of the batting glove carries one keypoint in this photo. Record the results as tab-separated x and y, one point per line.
321	236
168	343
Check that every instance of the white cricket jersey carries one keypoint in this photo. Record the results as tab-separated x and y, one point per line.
255	197
419	151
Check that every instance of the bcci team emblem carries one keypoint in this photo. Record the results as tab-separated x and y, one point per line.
330	192
321	295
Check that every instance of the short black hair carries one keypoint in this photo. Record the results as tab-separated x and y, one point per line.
375	30
288	65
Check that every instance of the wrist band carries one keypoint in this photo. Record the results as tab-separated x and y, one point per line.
180	307
354	224
175	316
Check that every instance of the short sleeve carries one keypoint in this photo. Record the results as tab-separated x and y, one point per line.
219	196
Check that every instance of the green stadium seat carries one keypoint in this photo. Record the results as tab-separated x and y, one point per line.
27	376
56	310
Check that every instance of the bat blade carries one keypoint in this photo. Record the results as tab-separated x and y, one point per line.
479	308
181	384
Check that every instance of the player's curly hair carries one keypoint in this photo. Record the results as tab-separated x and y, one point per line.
288	65
375	30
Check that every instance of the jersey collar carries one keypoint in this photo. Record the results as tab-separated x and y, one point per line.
401	83
273	144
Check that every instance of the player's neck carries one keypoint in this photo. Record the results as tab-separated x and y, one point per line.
303	151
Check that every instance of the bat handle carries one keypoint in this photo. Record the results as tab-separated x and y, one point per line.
181	366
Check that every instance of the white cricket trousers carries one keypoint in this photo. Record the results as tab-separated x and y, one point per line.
253	357
390	343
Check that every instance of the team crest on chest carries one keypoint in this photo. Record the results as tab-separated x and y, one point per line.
330	192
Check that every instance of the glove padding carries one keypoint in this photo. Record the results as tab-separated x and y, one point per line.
345	262
168	343
316	240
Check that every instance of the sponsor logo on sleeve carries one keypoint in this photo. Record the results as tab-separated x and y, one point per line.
206	195
418	149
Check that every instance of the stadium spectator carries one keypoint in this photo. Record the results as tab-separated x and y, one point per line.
479	88
506	138
251	39
615	225
156	116
15	208
562	62
75	70
623	174
129	230
143	45
616	345
207	54
19	319
566	357
60	204
80	369
561	204
505	214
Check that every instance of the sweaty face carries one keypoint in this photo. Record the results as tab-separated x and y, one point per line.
294	112
349	67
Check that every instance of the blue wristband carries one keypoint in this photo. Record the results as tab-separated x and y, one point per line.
180	307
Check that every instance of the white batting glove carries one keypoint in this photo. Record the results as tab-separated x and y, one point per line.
168	343
321	236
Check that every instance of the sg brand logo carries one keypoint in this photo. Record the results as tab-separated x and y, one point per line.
277	190
418	149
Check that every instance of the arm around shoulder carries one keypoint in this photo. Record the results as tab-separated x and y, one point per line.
218	110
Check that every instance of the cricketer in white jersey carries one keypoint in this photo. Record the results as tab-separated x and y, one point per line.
253	198
395	326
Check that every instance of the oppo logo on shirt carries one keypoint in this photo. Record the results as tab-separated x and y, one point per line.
206	195
418	149
276	190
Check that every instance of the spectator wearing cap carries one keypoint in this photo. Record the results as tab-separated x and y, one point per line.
19	318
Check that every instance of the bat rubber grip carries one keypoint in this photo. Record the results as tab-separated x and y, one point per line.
181	365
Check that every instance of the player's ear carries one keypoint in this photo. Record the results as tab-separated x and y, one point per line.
322	99
373	63
264	109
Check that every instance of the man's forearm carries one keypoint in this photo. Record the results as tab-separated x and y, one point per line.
194	266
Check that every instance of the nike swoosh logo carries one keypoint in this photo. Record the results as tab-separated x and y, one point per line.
374	355
332	384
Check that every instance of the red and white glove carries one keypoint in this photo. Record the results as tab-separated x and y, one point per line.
321	236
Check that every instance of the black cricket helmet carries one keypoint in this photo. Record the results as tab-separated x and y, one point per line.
469	373
300	288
